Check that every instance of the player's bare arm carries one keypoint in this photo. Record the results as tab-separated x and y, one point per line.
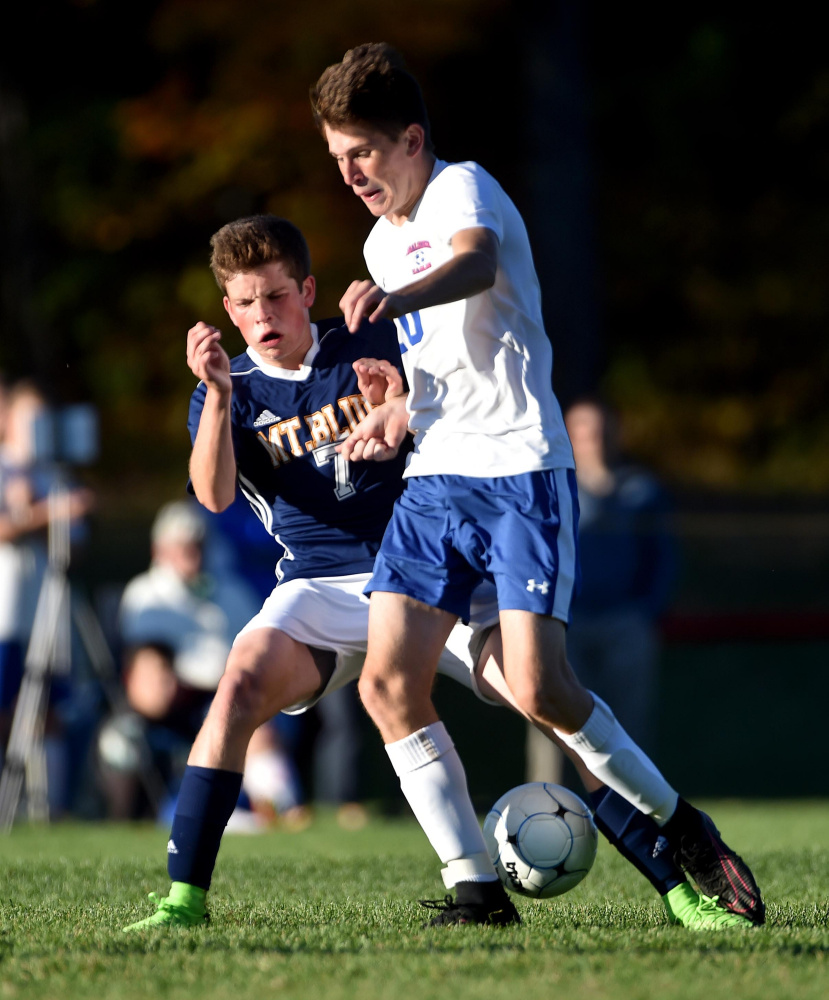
379	434
471	270
378	380
212	461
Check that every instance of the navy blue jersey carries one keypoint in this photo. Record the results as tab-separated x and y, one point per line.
328	514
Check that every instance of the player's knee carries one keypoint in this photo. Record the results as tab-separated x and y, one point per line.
536	702
531	703
373	692
382	696
240	697
563	706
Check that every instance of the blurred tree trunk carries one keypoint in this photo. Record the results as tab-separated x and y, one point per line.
22	350
560	187
26	346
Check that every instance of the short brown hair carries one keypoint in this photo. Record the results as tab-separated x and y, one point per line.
370	86
249	243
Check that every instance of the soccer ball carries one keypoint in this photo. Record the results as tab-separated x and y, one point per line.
541	838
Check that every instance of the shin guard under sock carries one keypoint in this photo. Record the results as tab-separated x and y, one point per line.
205	803
637	838
434	782
611	755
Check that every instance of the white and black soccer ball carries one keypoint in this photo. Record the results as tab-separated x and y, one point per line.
541	838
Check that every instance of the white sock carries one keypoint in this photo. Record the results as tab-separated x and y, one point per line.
434	782
612	756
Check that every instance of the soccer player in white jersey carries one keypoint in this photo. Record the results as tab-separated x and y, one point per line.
490	488
269	419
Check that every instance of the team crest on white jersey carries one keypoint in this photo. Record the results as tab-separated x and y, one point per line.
421	257
265	418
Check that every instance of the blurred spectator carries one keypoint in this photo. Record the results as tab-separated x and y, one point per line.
25	511
11	642
627	558
628	569
177	602
177	623
154	737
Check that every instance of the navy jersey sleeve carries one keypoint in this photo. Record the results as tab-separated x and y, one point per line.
193	418
196	406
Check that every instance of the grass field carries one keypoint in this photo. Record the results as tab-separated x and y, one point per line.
330	914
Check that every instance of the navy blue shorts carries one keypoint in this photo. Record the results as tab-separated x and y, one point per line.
448	533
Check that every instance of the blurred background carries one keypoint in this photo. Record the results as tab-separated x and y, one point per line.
672	172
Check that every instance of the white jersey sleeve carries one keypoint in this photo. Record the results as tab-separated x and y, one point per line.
480	369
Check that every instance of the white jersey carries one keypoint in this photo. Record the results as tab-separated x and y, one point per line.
481	401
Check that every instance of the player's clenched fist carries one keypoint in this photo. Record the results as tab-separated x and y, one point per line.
207	358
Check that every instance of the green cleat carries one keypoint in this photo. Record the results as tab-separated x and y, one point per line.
184	907
700	913
716	870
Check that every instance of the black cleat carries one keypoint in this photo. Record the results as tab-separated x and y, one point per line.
476	903
716	869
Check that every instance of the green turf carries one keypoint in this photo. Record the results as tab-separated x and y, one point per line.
328	914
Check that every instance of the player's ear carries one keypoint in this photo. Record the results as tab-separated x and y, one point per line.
228	309
309	291
415	138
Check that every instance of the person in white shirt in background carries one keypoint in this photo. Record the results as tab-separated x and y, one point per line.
177	624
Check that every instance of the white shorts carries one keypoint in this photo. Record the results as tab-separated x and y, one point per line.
331	613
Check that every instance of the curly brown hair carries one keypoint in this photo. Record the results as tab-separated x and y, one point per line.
248	243
371	86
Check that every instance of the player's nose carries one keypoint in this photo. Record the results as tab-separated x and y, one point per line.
351	173
261	310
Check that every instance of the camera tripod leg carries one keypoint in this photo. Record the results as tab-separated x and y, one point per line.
24	754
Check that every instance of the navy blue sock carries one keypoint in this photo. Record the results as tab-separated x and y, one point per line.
637	838
206	799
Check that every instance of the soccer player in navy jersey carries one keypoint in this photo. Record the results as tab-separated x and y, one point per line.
270	420
490	495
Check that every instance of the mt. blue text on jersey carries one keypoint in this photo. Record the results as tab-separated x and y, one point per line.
328	514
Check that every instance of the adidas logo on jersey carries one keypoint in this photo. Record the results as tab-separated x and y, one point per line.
659	846
171	846
264	419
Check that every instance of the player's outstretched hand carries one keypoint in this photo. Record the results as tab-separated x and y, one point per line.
207	358
365	300
379	434
378	380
